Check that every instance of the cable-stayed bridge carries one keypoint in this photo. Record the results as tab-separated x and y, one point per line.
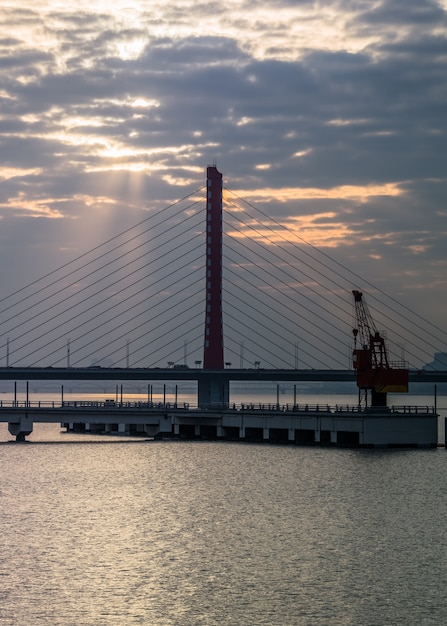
233	297
137	302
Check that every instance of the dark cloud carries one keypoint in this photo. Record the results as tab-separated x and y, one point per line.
401	13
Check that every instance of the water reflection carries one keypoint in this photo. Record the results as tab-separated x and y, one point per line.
134	532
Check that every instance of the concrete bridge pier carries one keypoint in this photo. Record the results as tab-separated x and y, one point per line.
213	392
22	428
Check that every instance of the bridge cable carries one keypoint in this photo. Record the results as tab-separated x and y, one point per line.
101	244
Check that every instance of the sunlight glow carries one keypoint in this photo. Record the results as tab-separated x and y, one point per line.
320	229
6	95
301	153
13	172
244	121
95	200
345	122
132	49
34	208
418	249
286	194
144	103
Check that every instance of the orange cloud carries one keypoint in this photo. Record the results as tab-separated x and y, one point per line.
318	229
342	192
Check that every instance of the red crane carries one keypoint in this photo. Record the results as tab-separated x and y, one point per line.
370	360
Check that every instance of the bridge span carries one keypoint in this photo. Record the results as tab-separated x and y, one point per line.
200	375
215	417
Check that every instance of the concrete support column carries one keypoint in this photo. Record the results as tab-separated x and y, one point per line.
266	433
21	428
197	430
219	432
213	391
291	434
242	432
166	424
176	428
333	436
121	428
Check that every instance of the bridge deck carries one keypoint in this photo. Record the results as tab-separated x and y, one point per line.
152	374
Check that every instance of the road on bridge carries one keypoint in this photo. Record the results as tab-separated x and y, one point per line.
200	375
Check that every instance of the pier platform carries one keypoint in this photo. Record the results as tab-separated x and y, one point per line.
343	426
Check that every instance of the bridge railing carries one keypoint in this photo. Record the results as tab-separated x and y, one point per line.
113	404
90	404
413	409
23	404
406	409
272	407
186	406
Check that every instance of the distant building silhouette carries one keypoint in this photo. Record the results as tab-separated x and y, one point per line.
438	363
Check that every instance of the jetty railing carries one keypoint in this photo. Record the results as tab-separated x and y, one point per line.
100	405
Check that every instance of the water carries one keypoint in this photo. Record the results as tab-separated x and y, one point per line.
106	530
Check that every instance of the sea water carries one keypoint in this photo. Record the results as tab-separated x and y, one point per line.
103	530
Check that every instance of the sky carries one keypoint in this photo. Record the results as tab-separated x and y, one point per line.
329	116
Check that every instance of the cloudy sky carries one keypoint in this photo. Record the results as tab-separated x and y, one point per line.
330	117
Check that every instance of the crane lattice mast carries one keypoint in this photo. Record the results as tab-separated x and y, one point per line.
370	360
